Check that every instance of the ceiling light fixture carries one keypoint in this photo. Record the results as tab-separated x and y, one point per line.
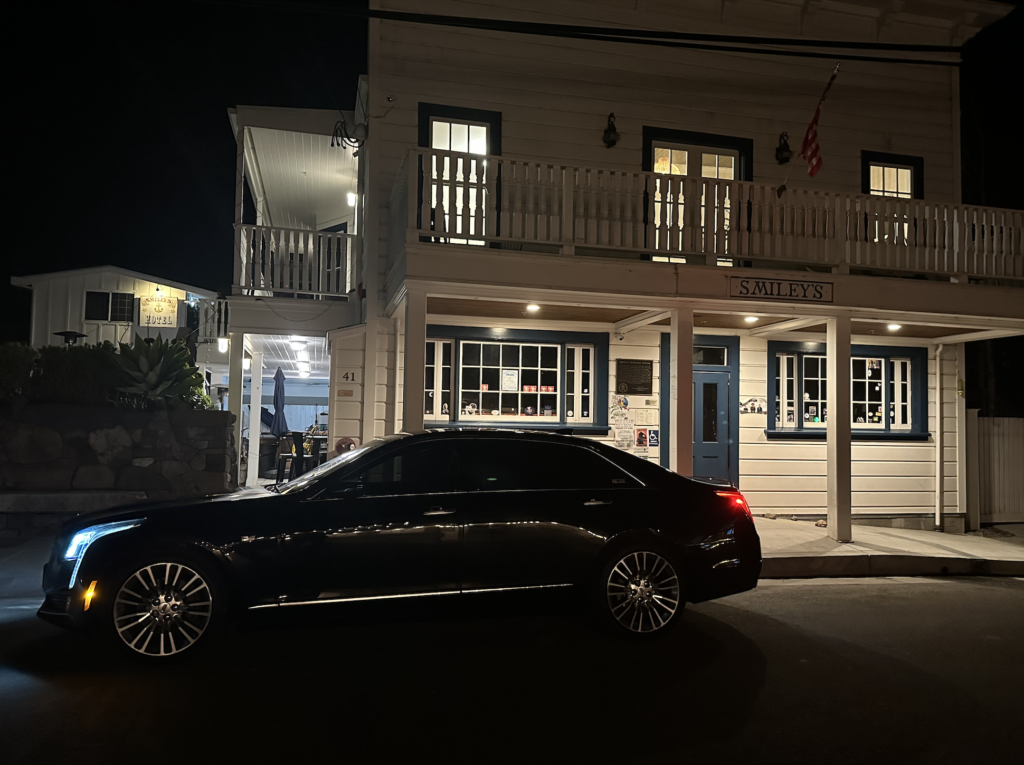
302	355
750	319
303	366
893	327
351	199
533	308
298	345
303	374
222	344
246	362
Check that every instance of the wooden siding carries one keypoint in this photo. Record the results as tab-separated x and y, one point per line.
1000	463
555	95
888	477
346	413
59	303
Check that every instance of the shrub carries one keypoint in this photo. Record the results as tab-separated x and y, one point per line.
158	373
16	363
77	374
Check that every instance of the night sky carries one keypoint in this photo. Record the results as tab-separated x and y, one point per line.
120	150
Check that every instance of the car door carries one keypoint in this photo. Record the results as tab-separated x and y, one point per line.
532	511
390	528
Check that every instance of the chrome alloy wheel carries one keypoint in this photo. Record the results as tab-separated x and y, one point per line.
643	591
162	609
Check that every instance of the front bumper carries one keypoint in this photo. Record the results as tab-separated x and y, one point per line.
64	606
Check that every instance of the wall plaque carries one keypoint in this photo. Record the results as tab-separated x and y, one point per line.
753	288
634	376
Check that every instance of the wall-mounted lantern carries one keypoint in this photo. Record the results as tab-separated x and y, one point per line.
611	135
782	152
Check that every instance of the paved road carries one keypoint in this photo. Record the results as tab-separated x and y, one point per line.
826	671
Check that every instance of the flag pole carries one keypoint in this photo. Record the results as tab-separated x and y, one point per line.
781	190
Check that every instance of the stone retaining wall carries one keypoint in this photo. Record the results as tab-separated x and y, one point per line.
54	448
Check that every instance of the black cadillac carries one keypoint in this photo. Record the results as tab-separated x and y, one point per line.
434	515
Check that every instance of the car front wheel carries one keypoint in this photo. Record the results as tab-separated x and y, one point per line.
164	607
641	592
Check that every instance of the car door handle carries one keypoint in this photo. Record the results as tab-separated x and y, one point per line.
594	502
438	511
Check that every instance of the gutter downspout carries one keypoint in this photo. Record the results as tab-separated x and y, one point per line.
939	444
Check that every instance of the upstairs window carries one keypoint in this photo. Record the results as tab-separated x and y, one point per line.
110	306
890	181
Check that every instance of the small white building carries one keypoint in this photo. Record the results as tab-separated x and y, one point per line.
106	303
502	266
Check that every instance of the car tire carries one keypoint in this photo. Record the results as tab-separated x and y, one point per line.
163	605
639	590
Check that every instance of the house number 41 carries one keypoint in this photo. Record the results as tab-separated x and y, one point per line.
348	377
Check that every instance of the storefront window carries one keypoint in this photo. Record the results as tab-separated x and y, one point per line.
579	361
437	380
509	381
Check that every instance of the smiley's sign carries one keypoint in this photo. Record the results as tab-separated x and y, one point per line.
158	312
800	291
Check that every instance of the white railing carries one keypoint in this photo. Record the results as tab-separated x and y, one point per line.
285	262
472	199
213	320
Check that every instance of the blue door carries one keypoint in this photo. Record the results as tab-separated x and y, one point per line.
711	425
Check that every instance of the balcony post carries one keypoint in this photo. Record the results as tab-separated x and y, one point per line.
681	387
255	410
236	342
839	449
568	211
239	205
415	360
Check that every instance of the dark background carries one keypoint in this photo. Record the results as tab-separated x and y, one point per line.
120	150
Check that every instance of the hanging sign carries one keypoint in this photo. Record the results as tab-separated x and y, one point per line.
634	376
780	289
158	312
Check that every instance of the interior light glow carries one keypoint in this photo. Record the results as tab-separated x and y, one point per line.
303	374
750	319
351	199
89	595
298	345
894	327
302	355
532	307
246	362
303	366
222	344
81	541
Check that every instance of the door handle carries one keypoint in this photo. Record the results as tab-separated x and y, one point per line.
438	511
594	502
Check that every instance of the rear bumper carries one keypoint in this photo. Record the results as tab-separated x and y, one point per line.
724	563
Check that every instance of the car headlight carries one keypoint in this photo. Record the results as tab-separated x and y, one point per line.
81	541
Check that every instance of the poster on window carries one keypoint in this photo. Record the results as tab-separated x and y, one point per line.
158	312
510	380
622	429
646	416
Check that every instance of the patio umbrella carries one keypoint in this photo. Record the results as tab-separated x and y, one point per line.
279	425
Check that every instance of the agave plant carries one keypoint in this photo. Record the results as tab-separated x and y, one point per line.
158	370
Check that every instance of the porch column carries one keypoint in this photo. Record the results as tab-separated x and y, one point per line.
680	455
236	342
415	360
840	454
255	409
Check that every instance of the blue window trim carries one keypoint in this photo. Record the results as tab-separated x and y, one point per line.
731	343
599	380
918	387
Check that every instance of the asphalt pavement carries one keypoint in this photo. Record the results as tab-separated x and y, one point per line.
797	671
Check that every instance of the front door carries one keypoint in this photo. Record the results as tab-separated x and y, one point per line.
711	425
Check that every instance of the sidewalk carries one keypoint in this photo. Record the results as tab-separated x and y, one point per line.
798	549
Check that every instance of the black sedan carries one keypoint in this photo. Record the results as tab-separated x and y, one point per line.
434	515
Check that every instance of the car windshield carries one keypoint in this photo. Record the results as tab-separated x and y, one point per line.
329	467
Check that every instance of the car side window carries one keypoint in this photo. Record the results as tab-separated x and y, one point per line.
418	469
496	465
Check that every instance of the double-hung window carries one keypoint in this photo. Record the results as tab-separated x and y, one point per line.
881	384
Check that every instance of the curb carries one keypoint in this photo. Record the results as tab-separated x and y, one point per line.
811	566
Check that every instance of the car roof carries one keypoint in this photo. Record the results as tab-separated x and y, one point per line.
505	433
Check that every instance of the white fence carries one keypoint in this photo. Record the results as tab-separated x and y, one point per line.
471	199
1000	469
284	262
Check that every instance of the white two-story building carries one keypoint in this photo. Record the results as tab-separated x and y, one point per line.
532	226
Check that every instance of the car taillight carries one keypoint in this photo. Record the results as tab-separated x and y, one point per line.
736	501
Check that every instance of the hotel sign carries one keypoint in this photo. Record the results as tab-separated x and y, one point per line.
158	312
753	288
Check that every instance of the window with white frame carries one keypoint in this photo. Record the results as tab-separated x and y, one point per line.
579	382
509	381
695	162
458	192
891	180
110	306
437	380
876	383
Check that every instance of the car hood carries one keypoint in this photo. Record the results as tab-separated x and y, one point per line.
156	508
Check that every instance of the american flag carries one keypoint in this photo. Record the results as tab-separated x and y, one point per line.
809	149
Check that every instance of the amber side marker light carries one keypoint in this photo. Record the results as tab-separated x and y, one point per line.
737	500
89	595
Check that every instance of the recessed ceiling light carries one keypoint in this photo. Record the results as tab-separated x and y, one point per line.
303	374
750	319
302	355
303	366
893	327
298	345
532	307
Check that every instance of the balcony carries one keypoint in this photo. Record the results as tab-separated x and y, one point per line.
294	263
510	203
